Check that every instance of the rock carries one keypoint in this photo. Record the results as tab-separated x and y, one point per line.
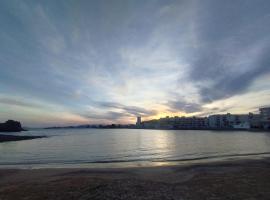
9	138
11	126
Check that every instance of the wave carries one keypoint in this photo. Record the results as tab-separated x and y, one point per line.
137	160
213	157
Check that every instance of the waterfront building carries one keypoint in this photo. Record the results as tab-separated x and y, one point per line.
191	123
139	121
232	121
255	121
265	117
177	123
218	121
151	124
265	113
221	121
243	125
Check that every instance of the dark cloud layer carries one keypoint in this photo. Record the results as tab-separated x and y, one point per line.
233	47
115	112
183	106
16	102
110	115
132	110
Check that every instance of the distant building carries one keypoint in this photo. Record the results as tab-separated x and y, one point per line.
265	113
151	124
190	123
139	121
224	121
243	125
218	121
232	121
255	121
177	123
265	117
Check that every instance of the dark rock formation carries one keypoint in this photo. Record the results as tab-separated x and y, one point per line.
11	126
9	138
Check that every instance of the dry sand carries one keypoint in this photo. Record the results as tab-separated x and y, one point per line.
237	180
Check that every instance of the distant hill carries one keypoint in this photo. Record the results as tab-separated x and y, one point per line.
11	126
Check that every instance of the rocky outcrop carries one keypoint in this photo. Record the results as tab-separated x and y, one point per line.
9	138
11	126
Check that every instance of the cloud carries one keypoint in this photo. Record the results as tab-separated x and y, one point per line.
16	102
217	80
131	110
183	106
233	48
110	115
113	112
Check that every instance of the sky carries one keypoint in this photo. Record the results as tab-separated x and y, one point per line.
70	62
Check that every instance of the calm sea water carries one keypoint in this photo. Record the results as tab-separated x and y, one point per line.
124	147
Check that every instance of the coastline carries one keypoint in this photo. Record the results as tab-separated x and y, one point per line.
239	179
10	138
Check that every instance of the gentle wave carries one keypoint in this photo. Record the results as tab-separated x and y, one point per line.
108	161
212	157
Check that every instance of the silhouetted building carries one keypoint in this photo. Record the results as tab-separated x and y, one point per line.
177	123
218	121
139	121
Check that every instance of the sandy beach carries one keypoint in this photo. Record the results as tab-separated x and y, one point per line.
246	179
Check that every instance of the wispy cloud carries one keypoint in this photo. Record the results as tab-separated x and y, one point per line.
17	102
183	106
129	58
131	110
232	50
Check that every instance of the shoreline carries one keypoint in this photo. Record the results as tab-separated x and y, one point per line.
238	179
10	138
188	129
138	164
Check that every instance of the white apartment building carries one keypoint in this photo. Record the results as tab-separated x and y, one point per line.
265	117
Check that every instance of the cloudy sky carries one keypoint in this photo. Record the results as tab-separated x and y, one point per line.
76	62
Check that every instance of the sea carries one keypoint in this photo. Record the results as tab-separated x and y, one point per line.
79	148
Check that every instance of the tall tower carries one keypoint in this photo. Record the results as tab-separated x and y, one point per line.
139	121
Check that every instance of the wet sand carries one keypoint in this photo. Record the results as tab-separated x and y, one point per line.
246	179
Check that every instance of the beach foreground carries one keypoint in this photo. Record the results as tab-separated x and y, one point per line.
223	180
